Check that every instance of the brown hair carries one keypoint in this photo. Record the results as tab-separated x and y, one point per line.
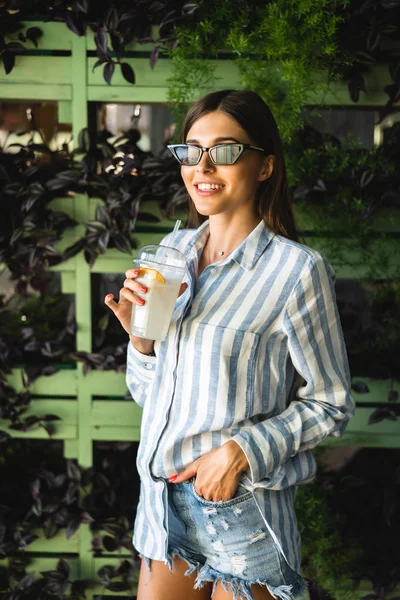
254	116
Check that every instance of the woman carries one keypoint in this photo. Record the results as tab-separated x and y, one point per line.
252	376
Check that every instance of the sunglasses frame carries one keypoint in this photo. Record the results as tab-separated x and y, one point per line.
172	149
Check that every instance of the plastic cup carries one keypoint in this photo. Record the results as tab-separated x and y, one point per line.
161	271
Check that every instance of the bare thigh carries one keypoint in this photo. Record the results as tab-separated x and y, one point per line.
259	593
161	584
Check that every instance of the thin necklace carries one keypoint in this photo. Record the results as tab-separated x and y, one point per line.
220	253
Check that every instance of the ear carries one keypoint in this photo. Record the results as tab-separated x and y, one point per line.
267	167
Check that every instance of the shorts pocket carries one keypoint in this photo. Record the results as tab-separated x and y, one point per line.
241	495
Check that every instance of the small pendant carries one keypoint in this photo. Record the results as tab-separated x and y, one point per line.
221	253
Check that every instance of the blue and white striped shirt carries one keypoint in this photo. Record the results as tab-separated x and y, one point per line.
254	353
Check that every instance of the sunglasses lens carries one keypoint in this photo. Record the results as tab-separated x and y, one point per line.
226	154
188	155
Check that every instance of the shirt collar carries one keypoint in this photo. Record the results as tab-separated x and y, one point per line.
245	255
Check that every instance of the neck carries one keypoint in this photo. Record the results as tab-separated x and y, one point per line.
226	235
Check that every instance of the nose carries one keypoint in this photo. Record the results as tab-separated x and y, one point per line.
205	165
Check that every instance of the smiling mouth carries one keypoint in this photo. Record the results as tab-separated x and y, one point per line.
208	187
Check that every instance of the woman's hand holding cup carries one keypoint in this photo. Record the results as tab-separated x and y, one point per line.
123	308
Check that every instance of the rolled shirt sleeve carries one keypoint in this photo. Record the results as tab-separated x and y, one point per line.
323	405
140	370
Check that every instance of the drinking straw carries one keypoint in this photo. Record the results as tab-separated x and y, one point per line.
177	225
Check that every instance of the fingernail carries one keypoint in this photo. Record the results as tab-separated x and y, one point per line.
136	272
141	301
143	289
172	479
109	296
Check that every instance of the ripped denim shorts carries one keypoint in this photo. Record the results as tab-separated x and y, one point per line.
227	541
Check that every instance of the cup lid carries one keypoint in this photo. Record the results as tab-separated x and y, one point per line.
163	255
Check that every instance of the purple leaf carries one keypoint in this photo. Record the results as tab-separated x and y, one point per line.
108	71
75	24
109	543
33	34
8	61
128	73
360	387
154	56
72	527
100	38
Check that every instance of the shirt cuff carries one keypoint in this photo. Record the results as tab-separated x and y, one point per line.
252	453
143	364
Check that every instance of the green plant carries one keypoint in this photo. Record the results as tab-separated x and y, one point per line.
343	187
283	50
36	331
17	584
338	549
41	489
115	25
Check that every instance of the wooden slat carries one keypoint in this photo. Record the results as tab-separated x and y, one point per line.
62	432
40	70
338	94
359	433
65	409
152	207
115	434
57	544
34	91
106	383
64	382
68	282
116	413
365	440
71	448
56	36
145	77
131	94
378	389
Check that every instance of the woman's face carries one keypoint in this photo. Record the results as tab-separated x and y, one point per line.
237	183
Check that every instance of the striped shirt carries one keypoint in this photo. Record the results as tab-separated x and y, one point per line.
255	353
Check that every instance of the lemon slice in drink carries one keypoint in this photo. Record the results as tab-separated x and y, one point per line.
151	273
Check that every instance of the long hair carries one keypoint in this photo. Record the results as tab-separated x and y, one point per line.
253	115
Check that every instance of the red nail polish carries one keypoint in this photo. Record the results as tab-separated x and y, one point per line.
172	479
109	296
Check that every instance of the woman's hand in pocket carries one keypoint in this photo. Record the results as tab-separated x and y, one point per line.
217	472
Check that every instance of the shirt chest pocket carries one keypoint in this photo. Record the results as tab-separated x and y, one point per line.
227	359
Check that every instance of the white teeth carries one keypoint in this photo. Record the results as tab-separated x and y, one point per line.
209	186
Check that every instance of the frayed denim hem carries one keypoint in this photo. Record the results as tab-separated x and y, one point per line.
240	588
193	565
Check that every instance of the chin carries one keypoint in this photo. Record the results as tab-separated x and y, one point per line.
207	209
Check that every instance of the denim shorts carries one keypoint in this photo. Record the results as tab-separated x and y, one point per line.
227	541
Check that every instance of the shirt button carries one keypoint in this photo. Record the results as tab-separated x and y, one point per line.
148	365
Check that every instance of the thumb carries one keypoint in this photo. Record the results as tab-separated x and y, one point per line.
183	288
187	473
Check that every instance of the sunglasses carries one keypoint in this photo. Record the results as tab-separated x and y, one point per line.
222	154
